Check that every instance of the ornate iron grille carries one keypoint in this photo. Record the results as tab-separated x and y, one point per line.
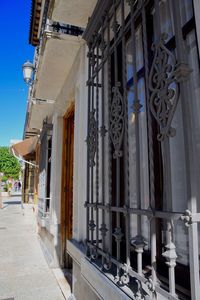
138	85
45	170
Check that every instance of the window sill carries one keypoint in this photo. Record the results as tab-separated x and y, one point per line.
96	280
92	276
43	222
76	250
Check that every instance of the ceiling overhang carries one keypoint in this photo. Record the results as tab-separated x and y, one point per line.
57	55
39	113
73	12
55	64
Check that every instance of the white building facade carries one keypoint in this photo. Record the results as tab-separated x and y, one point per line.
117	103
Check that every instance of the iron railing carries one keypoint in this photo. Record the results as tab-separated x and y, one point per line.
132	222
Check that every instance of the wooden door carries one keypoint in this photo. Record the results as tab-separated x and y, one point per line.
67	184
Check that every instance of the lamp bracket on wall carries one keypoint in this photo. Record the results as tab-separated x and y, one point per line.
42	101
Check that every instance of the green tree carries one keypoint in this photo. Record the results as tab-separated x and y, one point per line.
9	165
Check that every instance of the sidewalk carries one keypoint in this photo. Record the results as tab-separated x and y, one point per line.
24	273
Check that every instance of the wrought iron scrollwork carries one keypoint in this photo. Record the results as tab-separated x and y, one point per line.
108	264
151	286
140	292
189	218
92	138
125	278
115	26
164	88
118	234
136	4
93	253
117	121
92	225
103	229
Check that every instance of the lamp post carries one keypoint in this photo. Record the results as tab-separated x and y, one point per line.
28	69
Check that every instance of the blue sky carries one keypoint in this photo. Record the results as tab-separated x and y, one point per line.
14	51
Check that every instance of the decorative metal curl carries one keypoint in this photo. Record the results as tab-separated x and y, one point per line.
103	230
118	234
91	225
132	2
117	121
115	26
103	45
151	286
187	218
139	294
93	253
92	138
164	88
135	4
108	264
125	278
126	208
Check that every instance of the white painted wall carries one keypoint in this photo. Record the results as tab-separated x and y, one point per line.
74	90
56	170
55	195
80	150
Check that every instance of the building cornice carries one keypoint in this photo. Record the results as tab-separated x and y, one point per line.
34	22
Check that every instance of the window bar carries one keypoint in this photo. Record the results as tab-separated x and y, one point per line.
92	223
126	154
137	241
88	132
109	141
150	146
136	110
117	231
170	253
46	168
97	150
170	256
183	72
103	228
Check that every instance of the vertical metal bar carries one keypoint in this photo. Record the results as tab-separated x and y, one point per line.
190	153
103	144
136	108
126	142
118	170
167	201
45	165
88	168
157	20
139	262
92	167
109	142
172	261
150	146
170	256
97	152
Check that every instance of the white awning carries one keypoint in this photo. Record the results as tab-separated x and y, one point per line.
26	147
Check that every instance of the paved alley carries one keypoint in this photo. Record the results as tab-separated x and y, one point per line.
24	273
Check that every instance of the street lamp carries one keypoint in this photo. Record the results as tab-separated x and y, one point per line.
28	69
